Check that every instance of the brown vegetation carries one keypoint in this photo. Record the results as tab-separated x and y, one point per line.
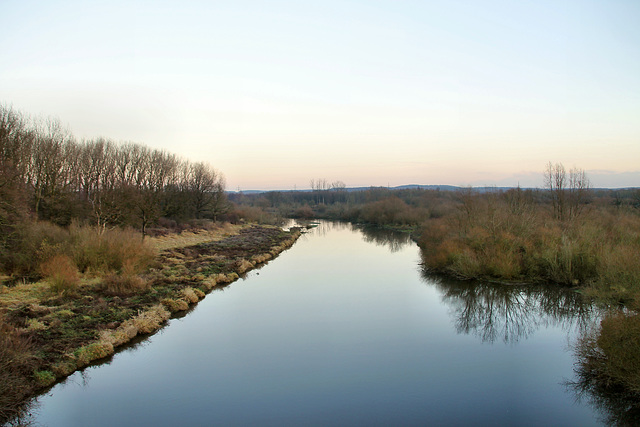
487	238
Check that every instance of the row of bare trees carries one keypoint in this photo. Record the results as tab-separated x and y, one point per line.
46	173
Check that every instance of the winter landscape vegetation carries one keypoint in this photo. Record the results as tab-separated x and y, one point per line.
336	213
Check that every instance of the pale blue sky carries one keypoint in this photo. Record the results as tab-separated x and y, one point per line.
274	93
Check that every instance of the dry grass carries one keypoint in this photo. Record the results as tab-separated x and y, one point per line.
261	258
17	361
190	238
174	305
189	295
241	266
26	293
122	335
151	320
94	351
124	284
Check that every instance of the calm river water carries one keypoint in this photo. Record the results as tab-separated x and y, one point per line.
343	329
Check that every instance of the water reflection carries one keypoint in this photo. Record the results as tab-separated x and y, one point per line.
510	313
607	368
395	241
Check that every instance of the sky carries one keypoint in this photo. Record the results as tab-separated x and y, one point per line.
372	93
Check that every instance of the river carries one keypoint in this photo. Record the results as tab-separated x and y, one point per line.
344	328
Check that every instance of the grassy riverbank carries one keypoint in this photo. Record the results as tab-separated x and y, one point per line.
84	308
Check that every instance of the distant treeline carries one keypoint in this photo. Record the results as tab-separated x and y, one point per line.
563	233
46	173
49	177
411	207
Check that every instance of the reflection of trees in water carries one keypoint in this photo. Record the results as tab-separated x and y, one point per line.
320	227
607	368
511	312
394	240
616	405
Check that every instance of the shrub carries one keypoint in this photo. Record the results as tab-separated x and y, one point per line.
61	273
35	241
113	250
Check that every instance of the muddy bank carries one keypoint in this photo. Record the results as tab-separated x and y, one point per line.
54	335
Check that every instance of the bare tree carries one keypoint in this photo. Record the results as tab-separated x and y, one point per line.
203	187
48	169
555	181
579	191
568	194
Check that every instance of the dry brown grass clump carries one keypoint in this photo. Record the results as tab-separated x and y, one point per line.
61	273
190	238
150	320
94	351
261	258
127	282
17	362
123	334
189	295
175	305
241	266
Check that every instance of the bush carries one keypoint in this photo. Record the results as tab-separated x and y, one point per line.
35	242
112	250
61	273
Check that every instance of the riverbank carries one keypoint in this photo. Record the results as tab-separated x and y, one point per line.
47	335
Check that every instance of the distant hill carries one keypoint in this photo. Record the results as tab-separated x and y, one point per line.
486	189
399	187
